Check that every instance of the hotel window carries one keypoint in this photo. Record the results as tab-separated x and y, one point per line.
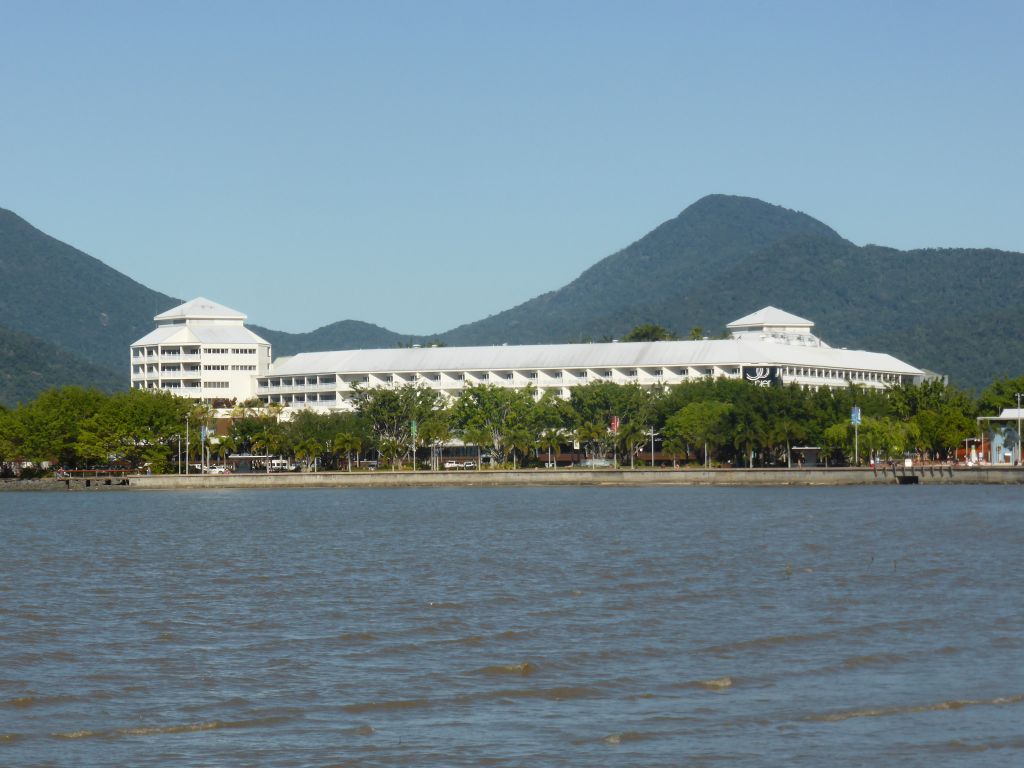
216	384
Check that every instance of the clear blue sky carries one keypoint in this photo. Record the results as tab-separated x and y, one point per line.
420	165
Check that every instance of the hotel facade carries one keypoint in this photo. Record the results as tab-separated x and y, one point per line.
203	350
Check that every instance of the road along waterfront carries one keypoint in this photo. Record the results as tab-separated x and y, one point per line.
926	475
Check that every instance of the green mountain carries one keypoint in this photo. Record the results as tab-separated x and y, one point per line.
28	366
70	319
345	334
947	310
61	295
671	276
67	318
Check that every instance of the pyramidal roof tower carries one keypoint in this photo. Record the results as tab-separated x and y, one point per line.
200	309
201	350
775	325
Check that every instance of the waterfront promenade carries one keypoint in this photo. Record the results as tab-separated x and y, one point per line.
918	475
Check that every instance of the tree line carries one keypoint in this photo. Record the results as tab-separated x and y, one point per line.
722	422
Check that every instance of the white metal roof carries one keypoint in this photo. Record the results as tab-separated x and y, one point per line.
200	334
200	309
568	356
1010	414
773	317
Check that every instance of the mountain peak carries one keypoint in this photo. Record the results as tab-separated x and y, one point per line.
754	216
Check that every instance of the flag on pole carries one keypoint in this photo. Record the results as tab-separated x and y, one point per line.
615	424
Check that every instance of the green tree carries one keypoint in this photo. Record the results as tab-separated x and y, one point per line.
347	443
631	437
703	423
650	332
390	413
136	426
1000	394
489	414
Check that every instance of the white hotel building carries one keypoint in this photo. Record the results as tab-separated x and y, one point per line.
200	350
211	340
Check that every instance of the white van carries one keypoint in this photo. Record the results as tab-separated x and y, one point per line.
280	465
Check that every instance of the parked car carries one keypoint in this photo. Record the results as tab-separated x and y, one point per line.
452	464
469	465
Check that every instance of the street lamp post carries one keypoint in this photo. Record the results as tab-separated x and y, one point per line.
1018	395
186	444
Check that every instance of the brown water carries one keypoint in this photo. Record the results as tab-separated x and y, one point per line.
575	626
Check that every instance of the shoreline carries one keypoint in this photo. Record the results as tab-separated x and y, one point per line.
818	476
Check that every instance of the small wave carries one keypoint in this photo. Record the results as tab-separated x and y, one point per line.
524	668
958	745
770	641
357	637
470	640
716	684
155	730
560	693
386	706
618	738
513	634
443	604
1004	641
76	735
24	702
360	730
9	738
873	660
942	706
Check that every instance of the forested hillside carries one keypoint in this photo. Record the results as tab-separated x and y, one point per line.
29	366
948	310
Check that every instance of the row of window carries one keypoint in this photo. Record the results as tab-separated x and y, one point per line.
174	351
477	376
832	373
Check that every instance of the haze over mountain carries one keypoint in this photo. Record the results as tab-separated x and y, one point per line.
949	310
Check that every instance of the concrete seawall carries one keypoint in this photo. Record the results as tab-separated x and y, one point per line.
925	475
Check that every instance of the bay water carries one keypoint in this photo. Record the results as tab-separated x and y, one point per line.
513	627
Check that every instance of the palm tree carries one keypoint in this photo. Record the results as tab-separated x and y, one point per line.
591	434
308	450
551	439
631	435
518	439
348	443
226	445
477	436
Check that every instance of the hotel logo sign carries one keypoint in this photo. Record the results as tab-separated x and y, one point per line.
761	376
